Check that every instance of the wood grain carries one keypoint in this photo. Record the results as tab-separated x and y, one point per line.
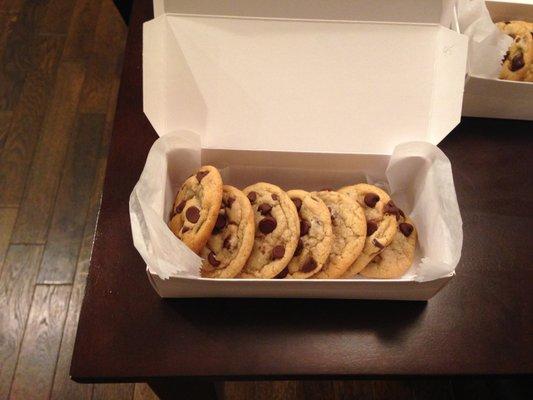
105	61
11	6
115	391
7	221
360	390
434	389
28	116
16	290
57	16
70	211
38	353
18	55
143	392
392	389
80	36
36	208
64	387
5	121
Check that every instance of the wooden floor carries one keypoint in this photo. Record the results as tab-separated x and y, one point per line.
60	62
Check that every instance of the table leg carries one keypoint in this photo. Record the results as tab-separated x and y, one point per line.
167	388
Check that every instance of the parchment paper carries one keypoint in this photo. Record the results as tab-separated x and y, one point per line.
419	176
487	44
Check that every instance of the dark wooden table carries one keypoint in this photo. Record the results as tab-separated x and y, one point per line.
481	323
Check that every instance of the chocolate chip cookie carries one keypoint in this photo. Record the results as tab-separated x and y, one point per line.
195	210
397	257
316	236
381	225
518	62
515	28
232	238
349	233
277	230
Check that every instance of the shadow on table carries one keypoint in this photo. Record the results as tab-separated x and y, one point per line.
389	320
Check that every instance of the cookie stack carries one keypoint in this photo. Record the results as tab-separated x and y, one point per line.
517	64
265	232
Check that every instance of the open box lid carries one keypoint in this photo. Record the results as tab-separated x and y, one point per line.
306	79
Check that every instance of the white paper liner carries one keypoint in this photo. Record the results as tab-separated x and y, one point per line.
419	176
487	44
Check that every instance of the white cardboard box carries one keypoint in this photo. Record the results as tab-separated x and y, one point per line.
496	98
303	96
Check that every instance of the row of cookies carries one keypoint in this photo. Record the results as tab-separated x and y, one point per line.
265	232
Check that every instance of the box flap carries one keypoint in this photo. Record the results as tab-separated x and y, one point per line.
420	11
317	86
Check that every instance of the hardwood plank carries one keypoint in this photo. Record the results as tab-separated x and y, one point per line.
115	391
110	117
36	208
360	390
80	36
7	221
11	6
143	392
318	390
392	389
238	390
57	17
40	346
27	120
16	290
70	211
492	388
18	55
105	60
434	389
7	21
5	121
11	75
64	387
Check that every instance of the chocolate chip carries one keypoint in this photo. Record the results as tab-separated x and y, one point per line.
376	243
180	207
264	208
200	175
507	22
371	227
274	197
401	212
185	229
371	199
227	243
377	258
298	203
192	214
390	208
252	196
512	35
406	229
309	265
299	248
221	223
304	227
278	252
517	62
282	274
267	224
213	260
229	201
331	213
